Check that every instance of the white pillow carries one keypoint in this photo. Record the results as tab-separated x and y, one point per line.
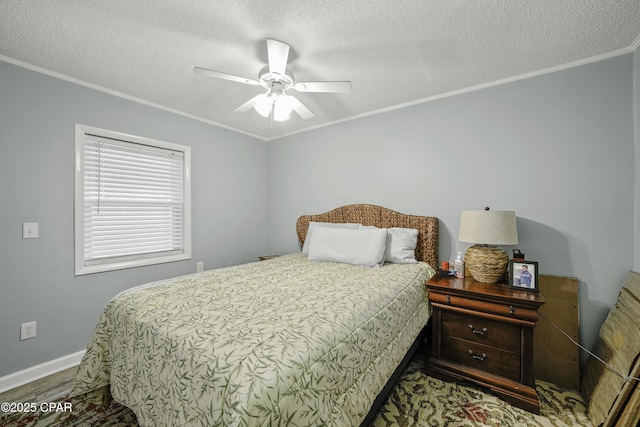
401	245
313	225
363	247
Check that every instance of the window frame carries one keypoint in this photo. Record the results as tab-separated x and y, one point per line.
82	267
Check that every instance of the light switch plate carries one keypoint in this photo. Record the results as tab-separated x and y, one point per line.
30	230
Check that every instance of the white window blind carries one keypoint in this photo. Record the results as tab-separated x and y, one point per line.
133	203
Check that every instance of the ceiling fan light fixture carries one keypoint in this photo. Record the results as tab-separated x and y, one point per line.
280	117
282	109
263	106
276	79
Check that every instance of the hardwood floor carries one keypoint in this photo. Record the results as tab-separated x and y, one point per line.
46	389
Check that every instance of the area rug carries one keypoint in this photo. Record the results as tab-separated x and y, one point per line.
422	401
417	401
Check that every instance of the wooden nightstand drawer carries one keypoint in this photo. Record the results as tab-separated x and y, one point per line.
500	309
484	333
489	359
480	330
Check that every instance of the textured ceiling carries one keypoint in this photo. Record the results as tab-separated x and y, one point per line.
394	52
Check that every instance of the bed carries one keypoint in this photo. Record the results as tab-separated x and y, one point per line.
288	341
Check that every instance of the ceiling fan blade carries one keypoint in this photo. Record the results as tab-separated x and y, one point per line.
299	107
249	104
333	87
278	54
224	76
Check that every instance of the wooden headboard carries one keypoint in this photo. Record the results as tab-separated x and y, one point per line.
427	226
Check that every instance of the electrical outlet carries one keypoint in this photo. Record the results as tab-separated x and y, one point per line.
199	266
27	330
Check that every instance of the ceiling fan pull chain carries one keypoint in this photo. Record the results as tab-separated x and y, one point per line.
273	110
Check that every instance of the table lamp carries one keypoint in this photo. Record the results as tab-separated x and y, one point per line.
487	263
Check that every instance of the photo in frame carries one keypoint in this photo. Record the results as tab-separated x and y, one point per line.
523	275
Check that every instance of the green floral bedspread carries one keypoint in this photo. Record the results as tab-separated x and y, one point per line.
281	342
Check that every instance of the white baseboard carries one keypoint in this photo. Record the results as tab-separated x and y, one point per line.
34	373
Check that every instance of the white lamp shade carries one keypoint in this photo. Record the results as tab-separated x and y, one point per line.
488	227
263	106
282	109
276	103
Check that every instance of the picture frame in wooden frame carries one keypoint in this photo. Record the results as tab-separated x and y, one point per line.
523	275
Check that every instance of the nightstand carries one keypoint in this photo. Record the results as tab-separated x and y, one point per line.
483	333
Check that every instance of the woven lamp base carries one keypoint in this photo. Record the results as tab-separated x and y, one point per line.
486	264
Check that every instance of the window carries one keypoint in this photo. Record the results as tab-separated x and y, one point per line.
132	201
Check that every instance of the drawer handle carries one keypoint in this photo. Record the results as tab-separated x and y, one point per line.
478	332
476	357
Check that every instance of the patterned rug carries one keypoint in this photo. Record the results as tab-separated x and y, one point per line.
417	401
422	401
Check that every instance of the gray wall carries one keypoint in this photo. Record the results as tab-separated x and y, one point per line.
558	149
37	116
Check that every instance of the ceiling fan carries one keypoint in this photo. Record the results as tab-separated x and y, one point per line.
277	80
